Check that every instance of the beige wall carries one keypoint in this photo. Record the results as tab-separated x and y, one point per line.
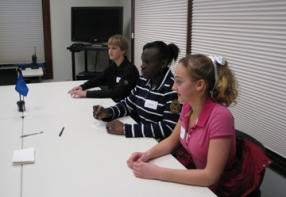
61	35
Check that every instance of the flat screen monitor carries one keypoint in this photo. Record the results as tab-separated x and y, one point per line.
95	24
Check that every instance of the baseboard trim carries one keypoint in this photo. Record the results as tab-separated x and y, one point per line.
279	163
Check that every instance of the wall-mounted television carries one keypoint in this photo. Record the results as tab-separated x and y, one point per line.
95	24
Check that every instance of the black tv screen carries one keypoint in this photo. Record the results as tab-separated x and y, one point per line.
95	24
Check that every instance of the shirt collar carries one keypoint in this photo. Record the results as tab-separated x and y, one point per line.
121	66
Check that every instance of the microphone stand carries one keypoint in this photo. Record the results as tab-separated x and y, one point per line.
21	104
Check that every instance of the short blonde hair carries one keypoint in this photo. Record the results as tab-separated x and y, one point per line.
120	41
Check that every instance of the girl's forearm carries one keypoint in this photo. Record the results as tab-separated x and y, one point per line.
162	148
198	177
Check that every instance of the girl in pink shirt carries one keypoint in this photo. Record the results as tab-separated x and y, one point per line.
207	87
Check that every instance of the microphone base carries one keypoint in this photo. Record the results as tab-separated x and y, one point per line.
21	105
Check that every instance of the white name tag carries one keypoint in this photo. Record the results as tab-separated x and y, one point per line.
118	79
151	104
182	132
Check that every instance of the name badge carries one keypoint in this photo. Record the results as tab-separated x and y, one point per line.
151	104
182	132
118	79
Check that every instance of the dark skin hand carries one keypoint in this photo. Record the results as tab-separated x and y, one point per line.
113	127
100	112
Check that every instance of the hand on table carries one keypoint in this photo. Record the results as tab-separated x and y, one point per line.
77	92
74	89
115	127
140	167
100	112
137	157
145	170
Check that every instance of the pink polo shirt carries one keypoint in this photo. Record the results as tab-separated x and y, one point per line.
215	121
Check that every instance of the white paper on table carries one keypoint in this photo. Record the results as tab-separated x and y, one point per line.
99	126
24	156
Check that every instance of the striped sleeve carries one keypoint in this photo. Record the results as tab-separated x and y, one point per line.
156	129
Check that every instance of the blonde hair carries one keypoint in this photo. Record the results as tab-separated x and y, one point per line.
120	41
200	66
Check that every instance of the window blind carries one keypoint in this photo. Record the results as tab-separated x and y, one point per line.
252	37
160	20
21	29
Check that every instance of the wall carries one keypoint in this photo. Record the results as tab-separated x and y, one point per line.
61	35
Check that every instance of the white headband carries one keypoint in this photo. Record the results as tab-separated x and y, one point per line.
216	60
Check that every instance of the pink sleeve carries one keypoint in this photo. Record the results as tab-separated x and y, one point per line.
221	123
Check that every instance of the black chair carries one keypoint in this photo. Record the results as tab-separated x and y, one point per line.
250	138
256	192
8	76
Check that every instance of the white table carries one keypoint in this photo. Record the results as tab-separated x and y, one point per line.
10	176
28	72
85	160
53	97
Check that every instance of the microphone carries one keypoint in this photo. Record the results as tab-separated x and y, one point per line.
34	64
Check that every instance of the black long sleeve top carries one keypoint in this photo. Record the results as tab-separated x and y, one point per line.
120	79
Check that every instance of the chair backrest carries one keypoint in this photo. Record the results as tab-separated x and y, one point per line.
8	76
256	192
250	138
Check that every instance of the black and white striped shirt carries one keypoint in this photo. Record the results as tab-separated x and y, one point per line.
156	119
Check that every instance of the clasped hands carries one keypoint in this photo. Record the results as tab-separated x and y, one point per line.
141	168
113	127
